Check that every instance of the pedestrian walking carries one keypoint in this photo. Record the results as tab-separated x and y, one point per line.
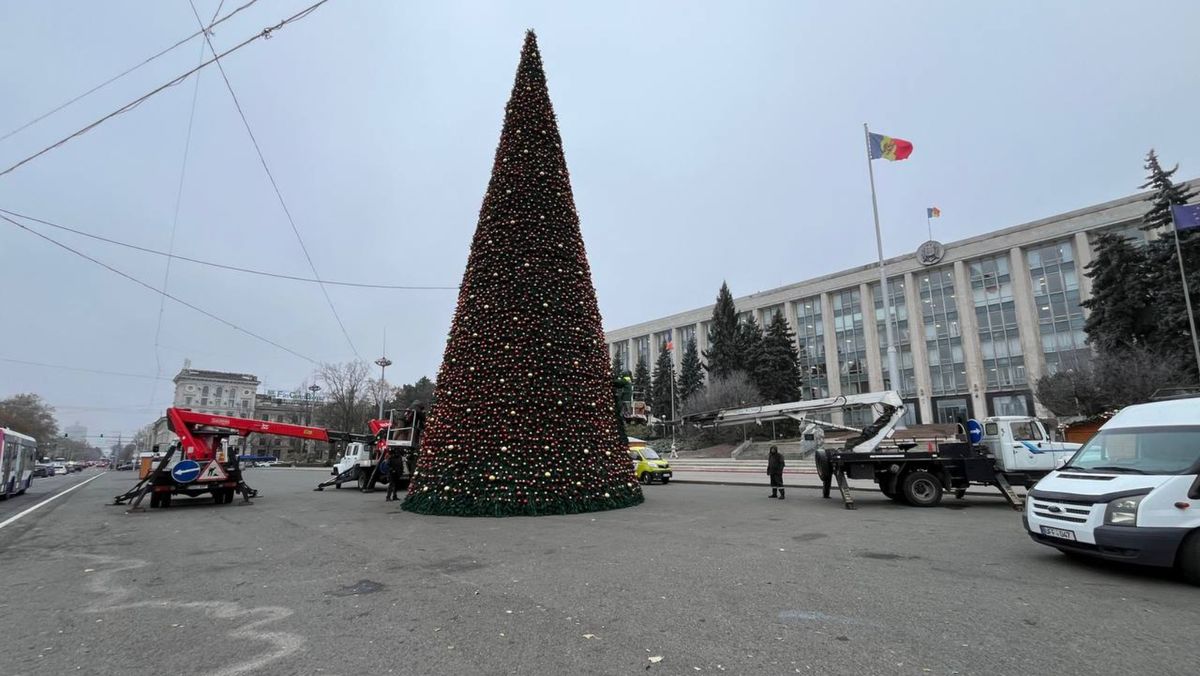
775	466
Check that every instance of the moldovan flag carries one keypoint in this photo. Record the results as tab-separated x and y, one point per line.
933	212
890	148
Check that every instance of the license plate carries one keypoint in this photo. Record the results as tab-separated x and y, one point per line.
1058	533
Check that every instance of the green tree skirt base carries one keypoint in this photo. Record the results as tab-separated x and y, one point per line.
437	505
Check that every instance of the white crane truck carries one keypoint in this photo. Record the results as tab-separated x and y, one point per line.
1008	450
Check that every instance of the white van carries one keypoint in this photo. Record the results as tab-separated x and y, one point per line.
1132	493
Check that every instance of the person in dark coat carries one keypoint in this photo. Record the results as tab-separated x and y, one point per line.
395	473
775	466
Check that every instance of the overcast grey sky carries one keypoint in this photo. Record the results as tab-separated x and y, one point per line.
706	141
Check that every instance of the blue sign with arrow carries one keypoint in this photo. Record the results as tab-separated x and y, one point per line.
185	471
975	430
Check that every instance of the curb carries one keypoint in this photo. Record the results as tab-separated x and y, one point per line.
872	489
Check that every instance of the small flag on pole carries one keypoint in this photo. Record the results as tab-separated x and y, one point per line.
889	148
1186	216
933	212
670	345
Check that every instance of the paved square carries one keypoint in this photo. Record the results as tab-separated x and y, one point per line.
709	578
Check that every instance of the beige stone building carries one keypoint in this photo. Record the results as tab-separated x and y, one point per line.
978	320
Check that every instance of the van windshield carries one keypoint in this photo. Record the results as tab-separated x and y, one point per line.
1141	450
649	454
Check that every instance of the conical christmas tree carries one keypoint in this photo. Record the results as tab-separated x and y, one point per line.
523	421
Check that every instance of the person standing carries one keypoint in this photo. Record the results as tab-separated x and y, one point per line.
395	473
775	467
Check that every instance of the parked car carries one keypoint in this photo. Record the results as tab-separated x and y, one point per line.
43	470
125	467
59	468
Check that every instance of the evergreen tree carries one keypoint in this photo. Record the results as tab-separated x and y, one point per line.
724	355
750	345
691	374
1117	316
522	423
777	367
641	381
664	379
618	366
1171	337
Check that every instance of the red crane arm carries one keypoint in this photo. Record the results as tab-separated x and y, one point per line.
183	418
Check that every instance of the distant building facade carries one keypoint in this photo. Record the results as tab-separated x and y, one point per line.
282	408
215	392
977	321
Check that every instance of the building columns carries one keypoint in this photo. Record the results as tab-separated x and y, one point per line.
833	371
875	365
968	329
916	339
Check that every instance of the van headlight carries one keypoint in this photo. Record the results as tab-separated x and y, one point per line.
1123	511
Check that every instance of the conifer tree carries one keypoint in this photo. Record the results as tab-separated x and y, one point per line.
1171	337
641	381
750	345
664	380
1117	318
523	421
777	368
724	354
691	374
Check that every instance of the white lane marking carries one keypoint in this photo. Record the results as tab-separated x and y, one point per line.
52	498
253	621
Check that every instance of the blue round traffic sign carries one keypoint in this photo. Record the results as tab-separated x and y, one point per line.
975	430
185	471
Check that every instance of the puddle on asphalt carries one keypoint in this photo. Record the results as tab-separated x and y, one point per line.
885	556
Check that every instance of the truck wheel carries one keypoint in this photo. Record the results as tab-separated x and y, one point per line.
219	496
154	500
1188	559
894	496
666	480
922	489
165	501
337	484
229	493
362	481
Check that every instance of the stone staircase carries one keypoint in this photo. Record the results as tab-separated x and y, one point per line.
758	450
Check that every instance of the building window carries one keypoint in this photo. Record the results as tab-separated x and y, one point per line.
767	314
943	341
641	351
705	336
952	410
996	317
661	339
810	341
191	388
851	341
686	333
187	401
204	401
621	355
743	317
904	355
1131	231
246	393
218	391
204	391
1010	404
1056	295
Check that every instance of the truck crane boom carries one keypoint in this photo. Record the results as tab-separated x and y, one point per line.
888	404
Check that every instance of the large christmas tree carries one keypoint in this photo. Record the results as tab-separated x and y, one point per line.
523	422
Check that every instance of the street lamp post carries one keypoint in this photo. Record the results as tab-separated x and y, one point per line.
383	363
312	401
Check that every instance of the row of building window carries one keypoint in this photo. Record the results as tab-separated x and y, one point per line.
1055	293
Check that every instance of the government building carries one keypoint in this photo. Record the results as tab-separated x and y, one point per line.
978	320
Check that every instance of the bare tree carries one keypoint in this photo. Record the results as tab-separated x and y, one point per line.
347	391
29	414
1112	381
733	391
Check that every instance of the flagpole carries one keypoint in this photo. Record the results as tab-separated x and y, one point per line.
929	223
893	366
1187	297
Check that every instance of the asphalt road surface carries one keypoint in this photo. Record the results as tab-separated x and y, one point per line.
699	579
